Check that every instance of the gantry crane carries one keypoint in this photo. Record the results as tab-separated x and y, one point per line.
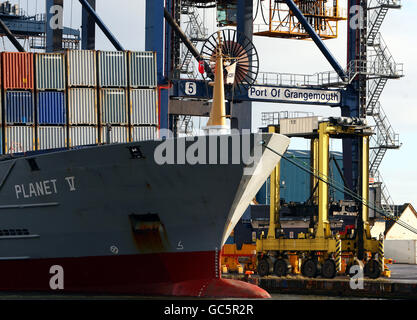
320	250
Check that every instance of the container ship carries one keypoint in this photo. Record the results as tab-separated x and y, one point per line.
89	210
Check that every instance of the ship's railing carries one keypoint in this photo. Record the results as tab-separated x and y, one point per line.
297	80
374	67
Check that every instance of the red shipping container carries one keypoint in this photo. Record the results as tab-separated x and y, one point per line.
18	70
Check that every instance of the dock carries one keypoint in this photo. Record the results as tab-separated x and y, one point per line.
401	285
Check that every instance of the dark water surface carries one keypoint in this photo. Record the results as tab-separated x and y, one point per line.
41	296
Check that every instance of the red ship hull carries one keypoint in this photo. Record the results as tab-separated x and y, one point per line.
192	274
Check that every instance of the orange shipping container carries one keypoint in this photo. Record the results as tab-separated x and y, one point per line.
17	70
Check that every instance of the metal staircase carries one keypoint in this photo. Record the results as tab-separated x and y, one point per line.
383	67
387	202
375	89
385	138
376	159
382	59
186	125
196	32
380	8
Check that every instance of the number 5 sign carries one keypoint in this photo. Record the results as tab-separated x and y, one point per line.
190	88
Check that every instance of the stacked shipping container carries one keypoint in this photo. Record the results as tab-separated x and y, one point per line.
113	85
143	96
18	99
82	97
50	104
74	99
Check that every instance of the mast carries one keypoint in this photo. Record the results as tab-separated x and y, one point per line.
217	120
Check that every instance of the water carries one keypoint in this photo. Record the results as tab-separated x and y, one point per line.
41	296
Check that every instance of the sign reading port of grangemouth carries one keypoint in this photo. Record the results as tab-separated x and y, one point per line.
294	95
199	89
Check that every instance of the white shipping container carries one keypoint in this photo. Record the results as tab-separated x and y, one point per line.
144	133
19	139
298	125
82	136
143	71
118	134
52	137
112	69
50	71
113	106
401	251
81	68
82	106
144	106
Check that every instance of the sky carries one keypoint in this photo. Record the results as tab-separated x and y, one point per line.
126	20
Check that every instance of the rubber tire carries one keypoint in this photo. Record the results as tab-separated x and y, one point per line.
281	267
328	269
309	268
372	269
263	268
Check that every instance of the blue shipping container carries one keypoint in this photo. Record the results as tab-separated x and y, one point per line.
51	107
19	107
295	183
